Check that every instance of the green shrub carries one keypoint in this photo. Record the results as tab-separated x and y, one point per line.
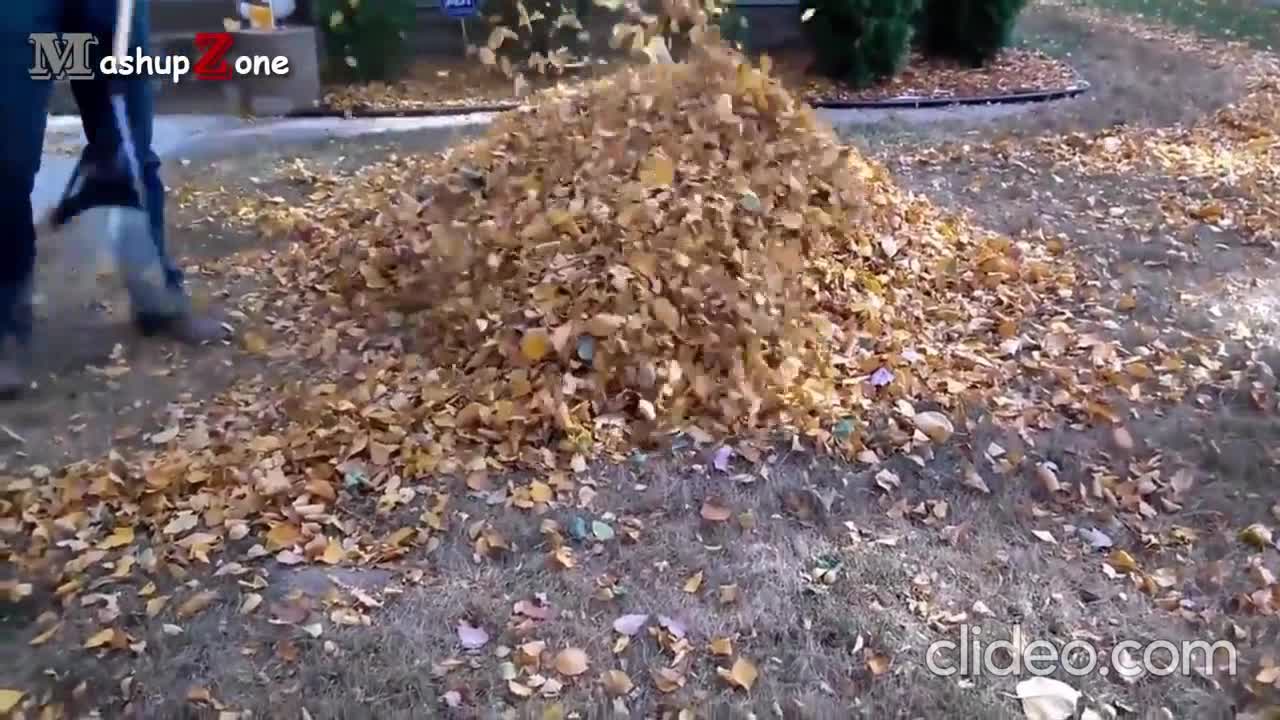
860	41
364	39
734	28
972	31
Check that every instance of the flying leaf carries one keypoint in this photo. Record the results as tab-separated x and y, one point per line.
807	15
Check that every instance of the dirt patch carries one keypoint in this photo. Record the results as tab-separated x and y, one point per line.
98	384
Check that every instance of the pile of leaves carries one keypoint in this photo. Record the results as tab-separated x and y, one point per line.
682	249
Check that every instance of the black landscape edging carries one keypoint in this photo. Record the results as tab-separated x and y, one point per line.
1021	98
899	103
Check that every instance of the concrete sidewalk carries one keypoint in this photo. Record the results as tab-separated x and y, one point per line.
195	137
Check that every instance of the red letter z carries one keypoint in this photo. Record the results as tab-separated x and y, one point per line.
213	64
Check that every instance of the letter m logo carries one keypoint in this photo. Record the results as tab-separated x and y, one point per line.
61	56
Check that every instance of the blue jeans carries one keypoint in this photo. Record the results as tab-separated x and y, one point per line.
23	109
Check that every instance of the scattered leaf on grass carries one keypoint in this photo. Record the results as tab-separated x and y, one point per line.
974	480
100	638
616	682
878	663
694	582
722	646
196	604
471	637
742	675
120	537
629	625
1047	699
1045	536
571	661
668	680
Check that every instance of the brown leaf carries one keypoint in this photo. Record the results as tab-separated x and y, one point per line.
616	682
196	604
878	663
571	661
667	680
694	582
714	512
742	675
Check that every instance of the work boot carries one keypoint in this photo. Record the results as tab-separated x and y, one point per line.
187	327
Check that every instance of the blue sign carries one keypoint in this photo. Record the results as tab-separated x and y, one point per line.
460	8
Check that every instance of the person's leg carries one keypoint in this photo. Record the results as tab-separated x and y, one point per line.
172	314
23	104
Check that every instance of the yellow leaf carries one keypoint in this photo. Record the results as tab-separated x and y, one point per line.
657	170
254	343
156	604
43	637
100	638
693	583
722	646
283	536
333	553
878	664
571	661
119	538
743	674
1122	561
196	603
1257	535
535	345
9	699
541	492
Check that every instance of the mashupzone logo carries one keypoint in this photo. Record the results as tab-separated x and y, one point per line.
1128	659
66	56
